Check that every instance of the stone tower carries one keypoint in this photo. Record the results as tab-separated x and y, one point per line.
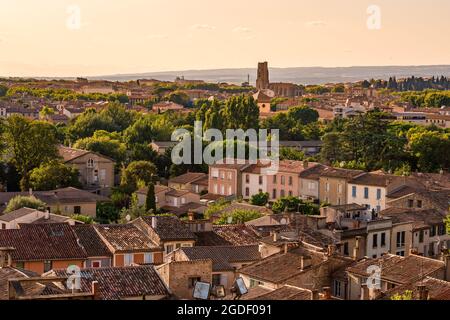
262	81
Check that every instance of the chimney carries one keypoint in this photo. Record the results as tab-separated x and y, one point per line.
95	290
423	292
275	236
447	267
315	295
305	262
326	293
365	293
285	248
356	248
6	257
331	249
154	222
47	215
191	215
305	164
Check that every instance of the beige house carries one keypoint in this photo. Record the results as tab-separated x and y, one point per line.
96	171
12	219
333	185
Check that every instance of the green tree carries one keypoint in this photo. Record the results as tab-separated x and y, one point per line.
303	115
104	143
24	202
260	199
238	217
431	149
150	200
331	147
82	218
3	90
107	212
29	144
53	175
137	174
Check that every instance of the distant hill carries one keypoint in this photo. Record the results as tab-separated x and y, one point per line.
307	75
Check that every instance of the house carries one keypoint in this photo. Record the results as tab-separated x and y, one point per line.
263	101
129	245
226	179
428	288
42	247
370	189
121	283
333	184
300	267
165	106
395	271
195	182
226	235
180	276
418	198
168	232
225	260
309	182
98	254
66	201
96	171
428	235
161	147
11	220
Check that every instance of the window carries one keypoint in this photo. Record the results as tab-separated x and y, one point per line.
375	241
283	180
433	231
230	175
247	178
216	189
192	281
346	251
442	230
247	192
169	248
354	191
96	264
421	236
401	239
366	193
419	203
77	210
378	194
230	191
48	265
128	259
178	245
339	188
90	163
400	253
260	178
3	226
102	174
183	200
337	288
383	239
282	193
148	258
222	175
274	193
222	190
274	179
290	181
327	187
410	203
216	279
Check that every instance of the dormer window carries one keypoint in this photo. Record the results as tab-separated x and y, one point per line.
90	163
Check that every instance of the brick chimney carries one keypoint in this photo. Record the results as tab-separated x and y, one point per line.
191	215
95	290
315	295
423	292
326	293
6	256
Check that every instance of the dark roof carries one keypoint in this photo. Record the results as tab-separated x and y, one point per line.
399	269
126	237
189	177
286	292
36	242
13	215
419	218
437	289
282	266
58	196
121	282
375	179
233	235
7	273
69	154
340	173
222	257
169	228
91	241
314	172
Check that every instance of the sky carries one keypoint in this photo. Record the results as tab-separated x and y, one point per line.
102	37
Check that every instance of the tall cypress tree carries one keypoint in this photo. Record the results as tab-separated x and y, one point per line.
150	201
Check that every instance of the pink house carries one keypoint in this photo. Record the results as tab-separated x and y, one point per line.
226	179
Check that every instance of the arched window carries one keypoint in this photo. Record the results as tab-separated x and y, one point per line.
90	163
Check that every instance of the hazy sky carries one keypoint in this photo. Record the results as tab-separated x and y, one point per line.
45	38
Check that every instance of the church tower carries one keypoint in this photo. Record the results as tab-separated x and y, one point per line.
262	80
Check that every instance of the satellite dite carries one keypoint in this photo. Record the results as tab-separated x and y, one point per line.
205	291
